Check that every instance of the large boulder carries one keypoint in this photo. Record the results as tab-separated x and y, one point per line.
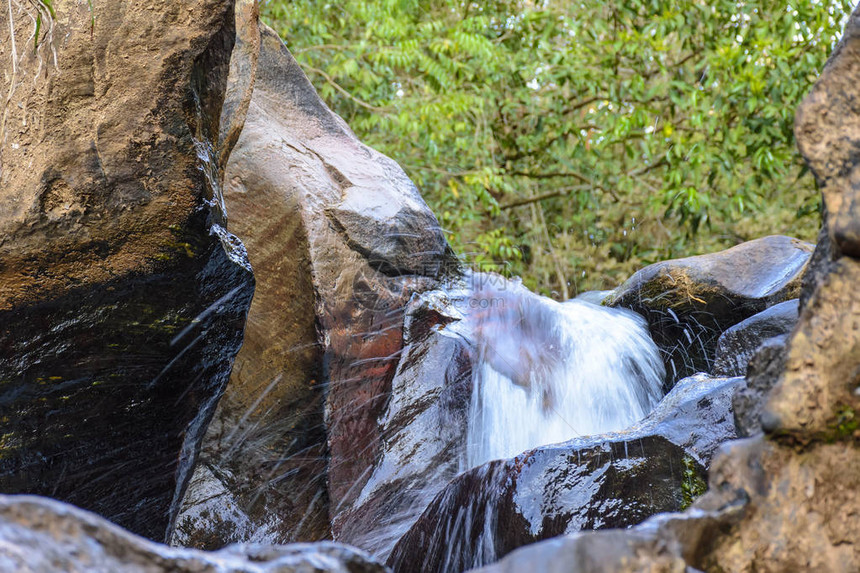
690	302
817	395
787	499
597	482
339	239
39	535
122	297
827	128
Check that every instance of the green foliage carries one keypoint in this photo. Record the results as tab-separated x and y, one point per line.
43	8
692	486
575	142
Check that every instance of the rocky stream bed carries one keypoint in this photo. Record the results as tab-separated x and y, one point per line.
229	342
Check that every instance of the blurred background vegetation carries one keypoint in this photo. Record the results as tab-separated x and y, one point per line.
572	143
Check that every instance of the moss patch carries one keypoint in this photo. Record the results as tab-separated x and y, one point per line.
845	426
692	486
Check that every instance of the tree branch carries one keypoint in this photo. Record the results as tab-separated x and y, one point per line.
570	174
565	190
541	197
342	90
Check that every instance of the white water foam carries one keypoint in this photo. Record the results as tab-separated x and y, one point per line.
547	371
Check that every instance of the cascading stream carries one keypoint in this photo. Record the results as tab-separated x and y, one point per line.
547	371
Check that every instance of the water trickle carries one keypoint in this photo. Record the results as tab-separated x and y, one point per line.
548	371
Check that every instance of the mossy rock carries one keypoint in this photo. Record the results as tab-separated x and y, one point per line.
690	302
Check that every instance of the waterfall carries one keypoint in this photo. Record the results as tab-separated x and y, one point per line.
546	372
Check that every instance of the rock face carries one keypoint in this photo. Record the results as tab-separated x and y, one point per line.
737	345
817	394
696	415
827	128
339	239
611	480
689	302
786	499
122	297
39	534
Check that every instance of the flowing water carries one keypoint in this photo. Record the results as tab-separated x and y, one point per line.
546	372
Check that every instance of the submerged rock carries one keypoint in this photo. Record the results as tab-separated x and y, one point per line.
610	480
122	297
38	535
738	344
339	239
690	302
594	296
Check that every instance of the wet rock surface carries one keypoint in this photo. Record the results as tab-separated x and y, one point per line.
122	297
696	415
491	510
738	344
689	302
785	499
39	535
122	304
262	470
339	239
759	513
611	480
424	429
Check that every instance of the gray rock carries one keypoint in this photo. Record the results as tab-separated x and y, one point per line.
696	415
41	535
393	229
491	510
764	370
655	546
424	428
738	344
209	502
